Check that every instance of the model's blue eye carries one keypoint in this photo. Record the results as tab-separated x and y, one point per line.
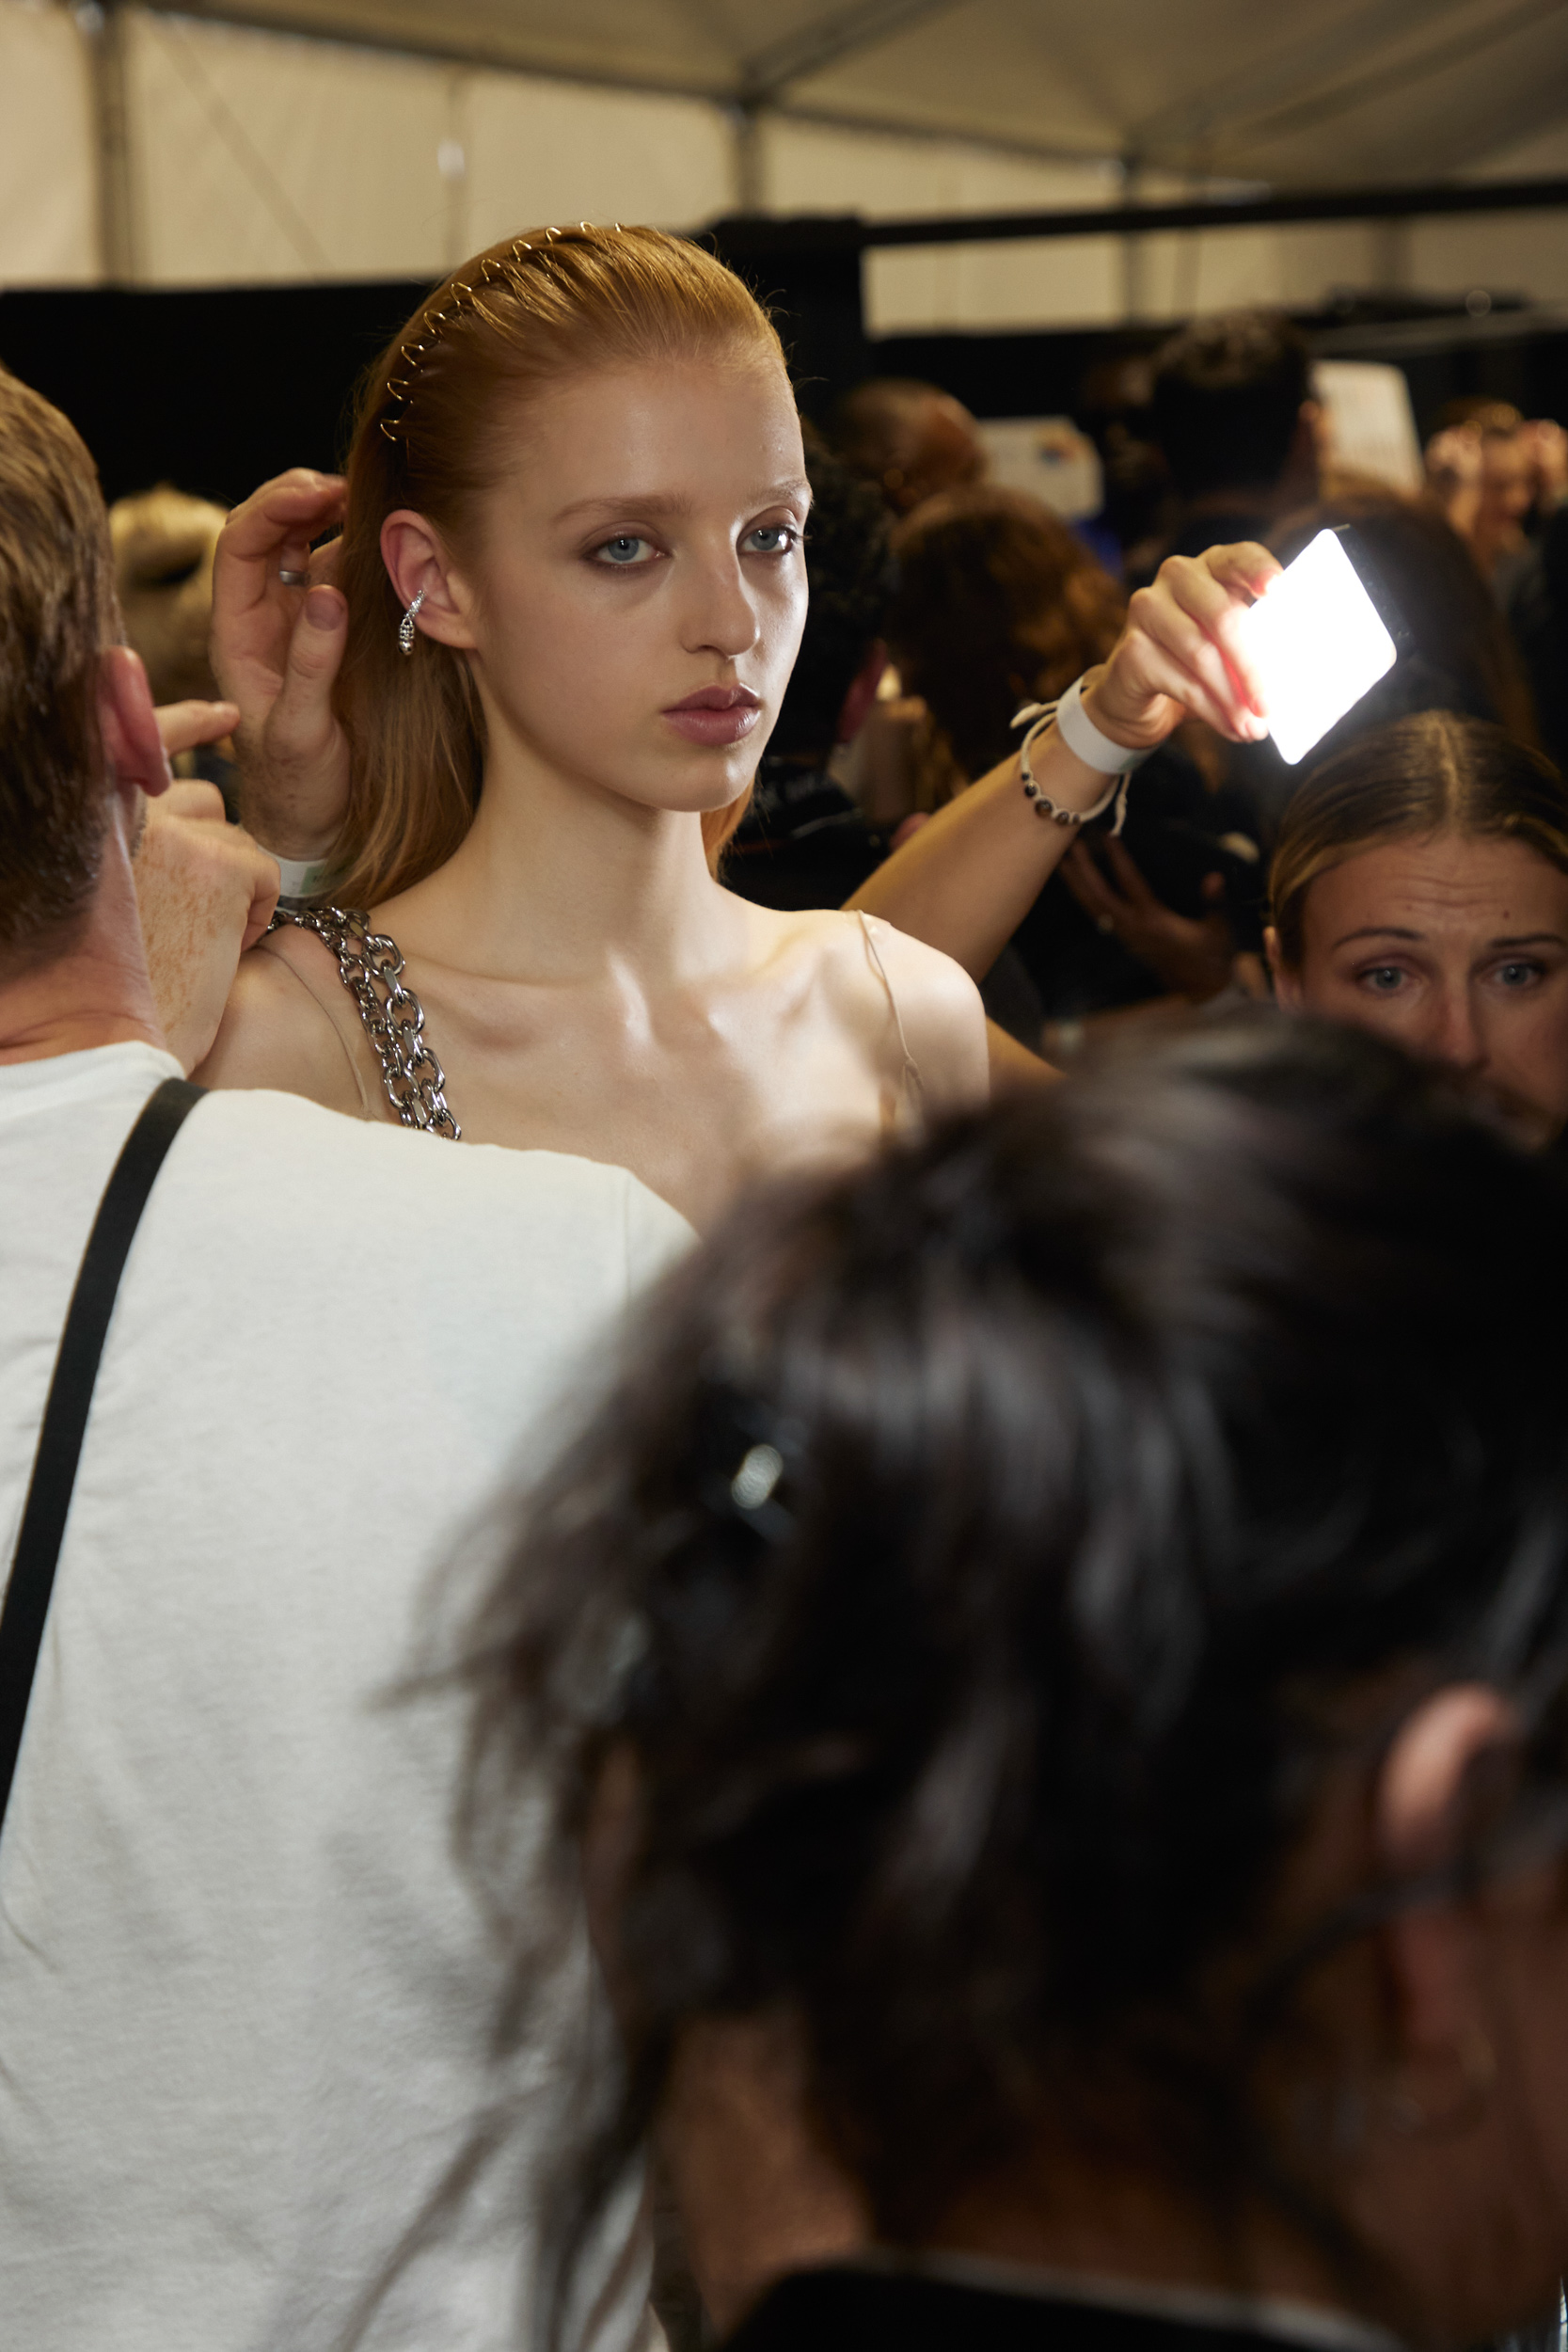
1382	979
624	551
1517	976
773	539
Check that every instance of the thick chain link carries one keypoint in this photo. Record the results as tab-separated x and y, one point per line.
370	969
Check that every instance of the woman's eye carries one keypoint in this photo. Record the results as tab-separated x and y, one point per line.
1382	980
624	551
773	539
1517	976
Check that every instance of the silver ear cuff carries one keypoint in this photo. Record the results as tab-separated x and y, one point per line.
406	632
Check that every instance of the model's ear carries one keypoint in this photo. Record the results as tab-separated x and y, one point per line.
420	564
132	744
1287	984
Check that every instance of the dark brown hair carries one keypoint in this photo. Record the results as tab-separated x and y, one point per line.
1463	657
998	604
960	1560
438	410
58	612
1428	774
1227	399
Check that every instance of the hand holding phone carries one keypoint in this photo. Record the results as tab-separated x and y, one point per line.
1321	636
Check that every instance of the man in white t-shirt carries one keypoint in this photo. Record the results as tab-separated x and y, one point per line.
245	1992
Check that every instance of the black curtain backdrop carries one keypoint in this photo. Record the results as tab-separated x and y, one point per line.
216	390
211	389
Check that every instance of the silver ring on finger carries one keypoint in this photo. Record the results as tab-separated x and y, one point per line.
294	580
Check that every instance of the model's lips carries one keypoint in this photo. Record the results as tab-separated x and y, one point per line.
715	714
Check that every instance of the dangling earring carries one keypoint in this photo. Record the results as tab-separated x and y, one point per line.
405	627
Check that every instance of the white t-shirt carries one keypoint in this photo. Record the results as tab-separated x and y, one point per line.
245	1990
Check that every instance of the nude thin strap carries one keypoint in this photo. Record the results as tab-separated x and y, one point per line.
329	1014
913	1085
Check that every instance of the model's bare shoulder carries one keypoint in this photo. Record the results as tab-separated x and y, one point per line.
277	1031
940	1010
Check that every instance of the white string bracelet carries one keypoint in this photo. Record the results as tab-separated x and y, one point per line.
1086	741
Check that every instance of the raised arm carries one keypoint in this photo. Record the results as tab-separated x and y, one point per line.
277	647
967	879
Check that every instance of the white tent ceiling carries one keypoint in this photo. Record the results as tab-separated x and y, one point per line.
1335	91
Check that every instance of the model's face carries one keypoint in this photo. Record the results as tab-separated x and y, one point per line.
1456	949
634	586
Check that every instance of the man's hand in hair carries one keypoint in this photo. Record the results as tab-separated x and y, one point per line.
206	893
276	651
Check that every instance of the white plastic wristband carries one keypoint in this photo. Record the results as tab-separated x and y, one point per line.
1086	741
300	878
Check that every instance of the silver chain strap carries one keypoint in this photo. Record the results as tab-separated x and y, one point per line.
370	969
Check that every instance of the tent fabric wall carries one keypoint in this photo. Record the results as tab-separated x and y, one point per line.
258	157
48	143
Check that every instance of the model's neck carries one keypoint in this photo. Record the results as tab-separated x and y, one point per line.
559	878
98	992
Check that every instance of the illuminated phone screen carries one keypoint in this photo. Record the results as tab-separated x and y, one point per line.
1318	644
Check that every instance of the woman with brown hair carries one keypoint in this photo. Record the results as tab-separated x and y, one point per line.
572	558
1420	887
998	604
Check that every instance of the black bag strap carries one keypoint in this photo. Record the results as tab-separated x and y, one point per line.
65	1415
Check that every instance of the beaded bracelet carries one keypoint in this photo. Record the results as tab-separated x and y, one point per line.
1083	738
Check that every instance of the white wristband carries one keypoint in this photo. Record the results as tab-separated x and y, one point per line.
299	879
1086	741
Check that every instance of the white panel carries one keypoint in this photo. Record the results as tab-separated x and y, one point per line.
1523	253
48	147
812	168
258	156
540	152
1291	269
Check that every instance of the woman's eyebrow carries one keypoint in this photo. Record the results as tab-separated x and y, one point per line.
676	503
626	502
1530	939
1378	930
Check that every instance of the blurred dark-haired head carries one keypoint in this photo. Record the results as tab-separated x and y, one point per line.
972	1586
1420	887
1462	658
912	440
849	571
1228	394
998	603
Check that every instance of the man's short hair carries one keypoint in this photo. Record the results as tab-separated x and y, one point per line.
1228	398
57	612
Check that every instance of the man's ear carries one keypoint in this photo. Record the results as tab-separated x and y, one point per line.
417	559
1437	1781
132	744
1287	984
